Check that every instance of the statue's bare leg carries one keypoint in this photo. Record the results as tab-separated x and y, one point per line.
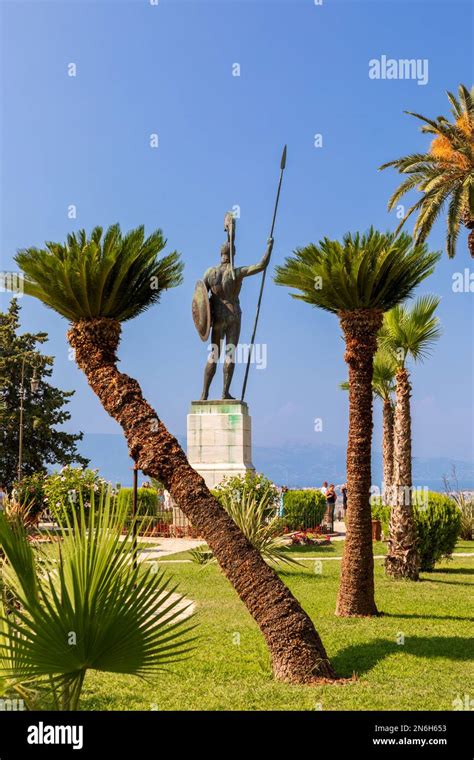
232	341
211	364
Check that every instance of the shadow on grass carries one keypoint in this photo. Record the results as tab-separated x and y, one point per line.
361	658
452	571
410	615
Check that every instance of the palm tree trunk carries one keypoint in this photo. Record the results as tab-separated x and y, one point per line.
298	655
356	590
402	559
387	449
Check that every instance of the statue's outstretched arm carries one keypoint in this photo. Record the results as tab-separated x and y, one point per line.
256	268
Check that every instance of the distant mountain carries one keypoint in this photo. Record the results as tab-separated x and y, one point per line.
291	465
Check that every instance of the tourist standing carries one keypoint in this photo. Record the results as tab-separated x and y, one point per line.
344	499
331	504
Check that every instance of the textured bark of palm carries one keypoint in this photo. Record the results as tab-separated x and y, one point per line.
297	652
402	560
356	590
387	450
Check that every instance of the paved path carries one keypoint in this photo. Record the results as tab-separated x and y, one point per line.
323	559
162	547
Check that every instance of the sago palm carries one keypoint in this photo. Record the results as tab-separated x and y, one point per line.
445	174
358	280
97	283
87	607
407	333
383	387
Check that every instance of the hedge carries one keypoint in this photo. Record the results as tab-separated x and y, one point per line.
303	509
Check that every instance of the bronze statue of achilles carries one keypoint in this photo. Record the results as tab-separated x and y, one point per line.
224	283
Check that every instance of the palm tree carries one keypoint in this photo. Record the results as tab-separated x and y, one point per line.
85	608
445	173
97	283
383	387
358	279
406	333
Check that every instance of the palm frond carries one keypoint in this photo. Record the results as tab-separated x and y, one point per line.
367	271
411	331
112	275
88	607
441	173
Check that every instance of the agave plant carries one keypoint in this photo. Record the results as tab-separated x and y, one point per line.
358	280
406	333
88	607
251	515
97	283
444	173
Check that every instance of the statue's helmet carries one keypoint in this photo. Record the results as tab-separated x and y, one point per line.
225	251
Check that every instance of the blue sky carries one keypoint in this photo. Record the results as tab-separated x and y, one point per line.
167	69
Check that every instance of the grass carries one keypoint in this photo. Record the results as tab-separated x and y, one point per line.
230	668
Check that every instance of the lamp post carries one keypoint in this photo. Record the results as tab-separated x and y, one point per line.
134	515
34	389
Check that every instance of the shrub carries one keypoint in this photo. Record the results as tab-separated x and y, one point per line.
30	493
255	485
65	489
147	501
438	523
437	520
303	509
251	517
466	531
381	512
147	508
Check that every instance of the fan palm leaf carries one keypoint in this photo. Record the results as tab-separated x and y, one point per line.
88	607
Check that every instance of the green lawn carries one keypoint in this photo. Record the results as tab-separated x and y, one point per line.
427	672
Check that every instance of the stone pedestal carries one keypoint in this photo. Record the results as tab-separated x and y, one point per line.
219	439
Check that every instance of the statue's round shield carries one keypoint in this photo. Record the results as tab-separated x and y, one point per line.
201	310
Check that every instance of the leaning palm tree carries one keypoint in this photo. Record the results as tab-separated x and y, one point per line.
85	607
383	387
445	173
406	333
358	279
97	283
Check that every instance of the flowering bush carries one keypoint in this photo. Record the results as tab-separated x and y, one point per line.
309	538
255	485
66	488
30	492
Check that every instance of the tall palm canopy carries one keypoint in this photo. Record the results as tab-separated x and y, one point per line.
358	279
374	270
445	173
112	275
411	332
